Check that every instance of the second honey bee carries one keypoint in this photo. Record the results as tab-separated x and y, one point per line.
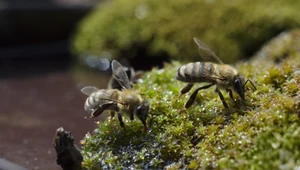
124	101
133	76
222	75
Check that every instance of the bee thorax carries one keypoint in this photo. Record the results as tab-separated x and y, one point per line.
130	98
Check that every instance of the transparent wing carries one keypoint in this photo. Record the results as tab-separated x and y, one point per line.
107	97
120	75
114	84
88	90
206	53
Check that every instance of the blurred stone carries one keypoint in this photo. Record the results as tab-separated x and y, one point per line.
68	154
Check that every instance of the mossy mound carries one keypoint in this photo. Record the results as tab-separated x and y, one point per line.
140	29
261	133
280	47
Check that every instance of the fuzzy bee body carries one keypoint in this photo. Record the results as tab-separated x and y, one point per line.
123	101
96	99
198	72
215	73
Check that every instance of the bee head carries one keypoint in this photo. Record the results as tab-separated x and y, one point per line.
142	111
238	86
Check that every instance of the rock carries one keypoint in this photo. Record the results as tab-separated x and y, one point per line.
68	155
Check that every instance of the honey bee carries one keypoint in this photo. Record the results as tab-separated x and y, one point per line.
124	101
215	73
133	76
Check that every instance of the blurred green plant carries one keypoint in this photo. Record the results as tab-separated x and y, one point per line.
154	28
262	133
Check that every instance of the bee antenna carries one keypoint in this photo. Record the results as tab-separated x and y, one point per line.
249	82
142	93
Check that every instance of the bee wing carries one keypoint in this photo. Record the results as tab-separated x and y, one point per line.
206	53
88	90
120	75
114	84
107	97
113	100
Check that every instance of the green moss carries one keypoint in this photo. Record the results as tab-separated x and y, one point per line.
123	28
261	133
279	144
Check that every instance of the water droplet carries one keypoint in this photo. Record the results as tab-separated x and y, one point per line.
70	95
91	61
103	64
160	71
141	11
297	167
25	141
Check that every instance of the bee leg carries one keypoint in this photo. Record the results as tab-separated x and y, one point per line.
222	98
186	89
112	114
230	94
249	82
193	96
131	117
145	125
150	121
121	120
100	109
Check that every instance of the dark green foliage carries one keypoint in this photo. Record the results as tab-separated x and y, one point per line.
139	29
261	133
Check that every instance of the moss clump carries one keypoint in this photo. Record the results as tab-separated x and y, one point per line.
261	133
139	29
280	47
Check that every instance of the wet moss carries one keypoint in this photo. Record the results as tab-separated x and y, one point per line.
261	133
139	29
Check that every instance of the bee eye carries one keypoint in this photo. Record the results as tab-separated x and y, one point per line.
237	83
139	109
143	108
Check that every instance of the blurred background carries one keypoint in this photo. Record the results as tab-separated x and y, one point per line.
49	49
38	90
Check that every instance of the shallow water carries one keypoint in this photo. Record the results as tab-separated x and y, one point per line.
33	106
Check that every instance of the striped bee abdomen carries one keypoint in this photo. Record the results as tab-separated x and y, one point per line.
195	72
97	98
